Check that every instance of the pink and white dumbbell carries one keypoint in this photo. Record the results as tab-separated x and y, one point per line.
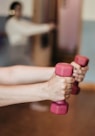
82	61
63	70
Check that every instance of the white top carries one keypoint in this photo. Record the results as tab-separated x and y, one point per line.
18	31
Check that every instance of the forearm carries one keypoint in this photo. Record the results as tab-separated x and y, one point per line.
33	29
22	94
36	29
25	74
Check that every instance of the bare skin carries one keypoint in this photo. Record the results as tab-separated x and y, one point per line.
40	84
26	74
54	89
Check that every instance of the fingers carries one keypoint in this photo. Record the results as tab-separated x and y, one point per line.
82	70
66	80
67	96
67	83
85	69
75	65
68	86
79	78
52	26
69	80
62	97
79	72
78	68
68	91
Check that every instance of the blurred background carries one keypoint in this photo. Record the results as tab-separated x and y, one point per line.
74	34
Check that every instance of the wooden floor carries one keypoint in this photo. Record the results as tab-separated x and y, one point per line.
19	120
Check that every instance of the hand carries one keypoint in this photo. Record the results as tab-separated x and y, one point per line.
52	26
59	88
79	72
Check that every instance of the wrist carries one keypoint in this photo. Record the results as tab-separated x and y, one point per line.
50	72
44	91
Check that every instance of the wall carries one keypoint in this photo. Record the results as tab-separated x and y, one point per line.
4	10
27	7
88	10
88	37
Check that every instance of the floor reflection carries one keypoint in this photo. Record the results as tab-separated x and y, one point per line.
19	120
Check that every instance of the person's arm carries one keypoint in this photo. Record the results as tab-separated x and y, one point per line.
33	29
57	88
28	74
22	94
25	74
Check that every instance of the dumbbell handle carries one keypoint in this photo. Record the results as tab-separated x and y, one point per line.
82	61
63	70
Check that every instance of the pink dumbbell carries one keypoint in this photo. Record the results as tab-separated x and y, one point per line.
63	70
82	61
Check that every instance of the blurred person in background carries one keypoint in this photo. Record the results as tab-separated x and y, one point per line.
18	31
